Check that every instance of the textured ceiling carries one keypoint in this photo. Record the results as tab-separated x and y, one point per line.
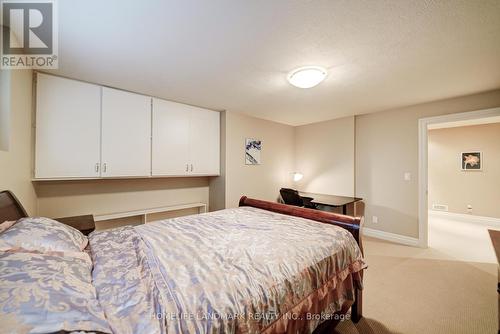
234	54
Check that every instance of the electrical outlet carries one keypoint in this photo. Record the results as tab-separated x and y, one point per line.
407	176
375	219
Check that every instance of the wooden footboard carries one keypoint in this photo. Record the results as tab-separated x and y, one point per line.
351	224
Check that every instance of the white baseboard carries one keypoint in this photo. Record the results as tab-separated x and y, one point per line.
489	221
397	238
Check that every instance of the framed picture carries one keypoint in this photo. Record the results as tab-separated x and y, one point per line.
252	151
471	160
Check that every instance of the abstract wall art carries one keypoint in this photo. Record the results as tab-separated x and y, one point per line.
253	148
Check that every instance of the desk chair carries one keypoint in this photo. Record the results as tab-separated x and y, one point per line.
292	197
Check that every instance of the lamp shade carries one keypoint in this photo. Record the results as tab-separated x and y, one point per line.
297	176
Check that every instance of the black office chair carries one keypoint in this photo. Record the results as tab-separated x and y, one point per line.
292	197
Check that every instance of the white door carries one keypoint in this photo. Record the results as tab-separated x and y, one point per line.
204	130
126	134
170	138
68	128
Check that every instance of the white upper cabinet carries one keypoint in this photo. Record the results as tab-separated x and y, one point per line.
126	134
88	131
170	138
68	128
185	140
204	138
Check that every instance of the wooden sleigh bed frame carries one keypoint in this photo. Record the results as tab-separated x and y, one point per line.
11	209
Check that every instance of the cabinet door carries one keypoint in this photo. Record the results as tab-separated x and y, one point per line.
204	139
170	138
68	128
126	134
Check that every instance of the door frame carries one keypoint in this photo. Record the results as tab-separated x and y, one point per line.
423	141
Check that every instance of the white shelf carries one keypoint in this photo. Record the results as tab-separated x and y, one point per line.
202	207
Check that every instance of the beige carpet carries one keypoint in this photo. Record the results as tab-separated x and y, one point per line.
414	290
464	240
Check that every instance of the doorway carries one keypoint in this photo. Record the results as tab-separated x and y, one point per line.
464	188
443	222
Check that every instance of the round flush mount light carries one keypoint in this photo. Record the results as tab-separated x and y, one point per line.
307	76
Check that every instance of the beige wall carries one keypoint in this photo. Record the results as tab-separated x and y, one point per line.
4	110
15	162
324	154
386	147
451	186
258	181
68	198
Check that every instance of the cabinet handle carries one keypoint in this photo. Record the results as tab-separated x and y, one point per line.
105	168
191	167
187	167
97	167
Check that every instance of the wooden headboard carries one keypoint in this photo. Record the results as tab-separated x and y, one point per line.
10	207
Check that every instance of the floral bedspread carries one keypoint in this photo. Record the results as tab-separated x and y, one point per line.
241	270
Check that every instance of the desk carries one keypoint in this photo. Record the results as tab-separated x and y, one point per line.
331	200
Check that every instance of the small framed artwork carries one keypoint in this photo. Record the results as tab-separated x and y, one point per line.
253	148
471	160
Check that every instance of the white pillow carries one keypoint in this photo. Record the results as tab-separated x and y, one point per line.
42	235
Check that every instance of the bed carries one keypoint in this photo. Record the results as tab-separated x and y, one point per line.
260	268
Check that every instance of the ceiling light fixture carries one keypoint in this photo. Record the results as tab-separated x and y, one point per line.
307	76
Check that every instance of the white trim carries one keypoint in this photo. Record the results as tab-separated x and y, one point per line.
488	221
448	125
398	238
423	238
423	126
